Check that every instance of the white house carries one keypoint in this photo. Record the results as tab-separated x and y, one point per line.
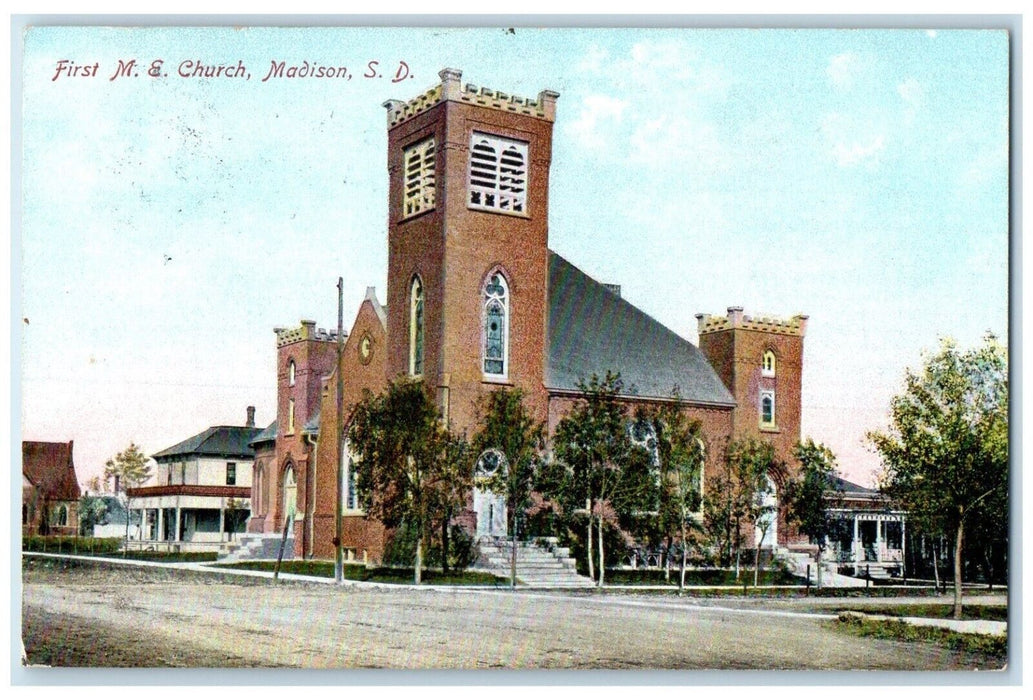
202	494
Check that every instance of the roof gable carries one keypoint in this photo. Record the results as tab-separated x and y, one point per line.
49	466
593	330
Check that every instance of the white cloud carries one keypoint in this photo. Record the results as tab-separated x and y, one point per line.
599	114
851	142
913	94
843	69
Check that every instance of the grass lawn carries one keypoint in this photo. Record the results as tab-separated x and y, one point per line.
934	610
991	650
358	572
701	577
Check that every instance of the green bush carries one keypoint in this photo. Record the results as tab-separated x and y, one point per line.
67	544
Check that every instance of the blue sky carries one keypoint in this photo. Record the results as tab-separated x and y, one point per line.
857	176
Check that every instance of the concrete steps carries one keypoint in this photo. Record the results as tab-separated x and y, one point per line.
544	565
255	546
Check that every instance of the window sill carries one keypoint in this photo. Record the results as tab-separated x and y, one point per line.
770	429
493	210
353	512
410	217
501	381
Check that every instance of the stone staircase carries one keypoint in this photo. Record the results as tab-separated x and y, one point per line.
540	564
255	546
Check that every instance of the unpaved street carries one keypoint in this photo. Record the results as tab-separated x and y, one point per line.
87	615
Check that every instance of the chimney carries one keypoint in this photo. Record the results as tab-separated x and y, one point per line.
250	417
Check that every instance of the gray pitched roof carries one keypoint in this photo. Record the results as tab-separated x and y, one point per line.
592	330
219	441
267	435
838	484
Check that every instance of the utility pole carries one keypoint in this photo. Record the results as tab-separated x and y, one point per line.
339	509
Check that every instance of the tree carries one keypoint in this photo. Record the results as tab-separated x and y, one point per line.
606	468
945	455
810	495
405	459
506	427
741	494
128	470
680	453
234	514
92	510
451	487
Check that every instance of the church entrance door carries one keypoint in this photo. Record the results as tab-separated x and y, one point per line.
489	506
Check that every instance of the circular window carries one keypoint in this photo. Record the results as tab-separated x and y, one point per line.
489	463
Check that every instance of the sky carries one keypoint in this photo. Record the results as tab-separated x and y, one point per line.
169	223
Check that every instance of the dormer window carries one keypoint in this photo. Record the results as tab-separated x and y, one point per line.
768	366
419	178
498	174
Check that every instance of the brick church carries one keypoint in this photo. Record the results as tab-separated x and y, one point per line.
476	300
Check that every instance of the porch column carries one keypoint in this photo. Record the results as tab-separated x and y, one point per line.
143	524
179	515
903	547
856	544
161	525
222	521
879	524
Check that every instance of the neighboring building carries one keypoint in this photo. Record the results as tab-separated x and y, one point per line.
869	536
113	522
203	492
476	301
50	489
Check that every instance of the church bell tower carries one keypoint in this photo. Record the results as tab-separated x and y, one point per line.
468	242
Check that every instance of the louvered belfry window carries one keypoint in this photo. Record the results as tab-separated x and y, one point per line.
419	178
498	174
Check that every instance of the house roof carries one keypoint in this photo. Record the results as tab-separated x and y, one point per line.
849	487
49	466
267	435
217	441
592	330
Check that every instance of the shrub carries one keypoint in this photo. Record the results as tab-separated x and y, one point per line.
66	544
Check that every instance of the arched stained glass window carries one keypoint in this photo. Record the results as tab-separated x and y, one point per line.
416	328
767	408
496	326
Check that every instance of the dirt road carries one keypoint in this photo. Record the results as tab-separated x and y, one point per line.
85	615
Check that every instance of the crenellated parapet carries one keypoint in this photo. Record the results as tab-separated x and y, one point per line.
452	89
736	319
306	331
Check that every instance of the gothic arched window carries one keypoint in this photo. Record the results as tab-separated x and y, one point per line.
768	368
496	326
416	328
292	371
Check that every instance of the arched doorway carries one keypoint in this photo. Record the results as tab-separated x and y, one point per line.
290	496
489	506
767	524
